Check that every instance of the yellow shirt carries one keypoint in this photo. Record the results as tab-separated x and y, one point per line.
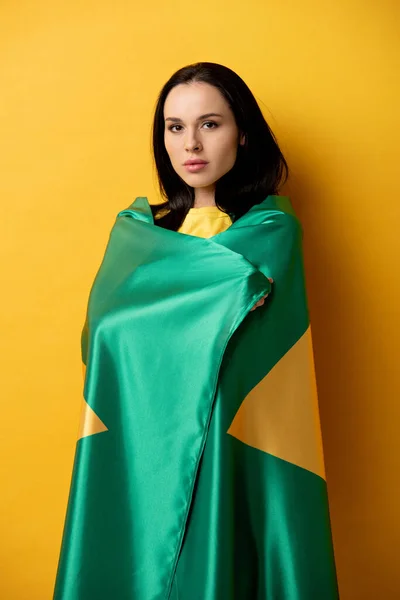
205	221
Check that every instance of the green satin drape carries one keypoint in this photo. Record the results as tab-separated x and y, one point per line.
164	504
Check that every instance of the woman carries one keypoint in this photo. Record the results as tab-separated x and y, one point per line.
203	155
199	468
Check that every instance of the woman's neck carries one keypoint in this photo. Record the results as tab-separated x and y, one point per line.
204	197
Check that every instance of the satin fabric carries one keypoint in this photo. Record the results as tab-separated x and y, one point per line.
164	503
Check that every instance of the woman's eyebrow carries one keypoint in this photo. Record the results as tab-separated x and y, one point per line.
176	120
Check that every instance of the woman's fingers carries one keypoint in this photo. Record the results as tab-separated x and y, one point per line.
261	301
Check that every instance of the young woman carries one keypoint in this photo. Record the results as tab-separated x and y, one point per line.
208	170
199	471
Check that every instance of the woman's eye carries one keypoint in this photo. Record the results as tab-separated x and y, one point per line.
206	123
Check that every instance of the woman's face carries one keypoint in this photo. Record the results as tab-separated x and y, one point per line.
190	135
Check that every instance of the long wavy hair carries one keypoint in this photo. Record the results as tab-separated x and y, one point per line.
260	167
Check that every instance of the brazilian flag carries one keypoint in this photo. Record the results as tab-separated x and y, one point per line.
199	470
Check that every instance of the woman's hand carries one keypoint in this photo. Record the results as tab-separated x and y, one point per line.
261	301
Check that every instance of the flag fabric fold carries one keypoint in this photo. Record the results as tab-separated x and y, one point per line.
199	472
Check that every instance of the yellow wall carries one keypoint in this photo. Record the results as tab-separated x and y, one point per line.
78	85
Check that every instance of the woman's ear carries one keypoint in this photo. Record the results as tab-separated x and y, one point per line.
242	139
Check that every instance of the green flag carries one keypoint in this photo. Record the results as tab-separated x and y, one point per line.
199	471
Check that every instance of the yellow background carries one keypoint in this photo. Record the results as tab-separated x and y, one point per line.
78	87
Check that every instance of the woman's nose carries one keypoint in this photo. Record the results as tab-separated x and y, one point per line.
191	142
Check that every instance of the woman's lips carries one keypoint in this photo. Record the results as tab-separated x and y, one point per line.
195	167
